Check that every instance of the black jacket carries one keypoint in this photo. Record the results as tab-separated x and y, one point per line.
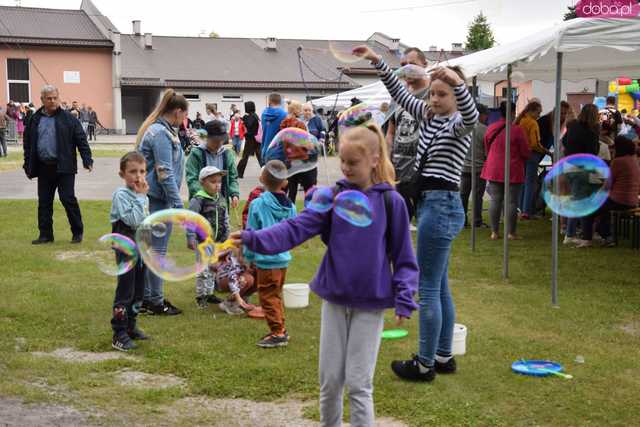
580	139
69	138
250	119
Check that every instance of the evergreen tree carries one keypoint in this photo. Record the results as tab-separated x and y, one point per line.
480	35
571	13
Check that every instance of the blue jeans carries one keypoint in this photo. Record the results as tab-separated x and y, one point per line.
527	204
440	219
153	285
237	144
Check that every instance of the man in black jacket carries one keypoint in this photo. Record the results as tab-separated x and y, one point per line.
51	139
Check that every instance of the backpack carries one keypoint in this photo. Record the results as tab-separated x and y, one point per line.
388	209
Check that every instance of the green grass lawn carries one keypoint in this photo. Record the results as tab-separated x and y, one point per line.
53	304
15	158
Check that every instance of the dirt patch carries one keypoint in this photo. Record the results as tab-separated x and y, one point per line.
144	380
71	355
14	412
632	328
245	413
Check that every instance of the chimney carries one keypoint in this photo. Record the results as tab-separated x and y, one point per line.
456	47
433	48
395	44
148	41
272	43
136	27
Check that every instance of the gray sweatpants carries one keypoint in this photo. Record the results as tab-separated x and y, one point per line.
349	344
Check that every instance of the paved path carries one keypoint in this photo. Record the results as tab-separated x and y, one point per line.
100	184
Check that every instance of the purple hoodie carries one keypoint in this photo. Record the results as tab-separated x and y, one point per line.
355	270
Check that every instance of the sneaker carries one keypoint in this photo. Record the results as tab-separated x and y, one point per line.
123	343
231	308
272	341
137	334
446	368
42	240
570	240
77	238
597	238
413	370
202	303
165	309
584	243
212	299
144	308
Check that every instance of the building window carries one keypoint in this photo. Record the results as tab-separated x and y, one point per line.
19	86
192	97
231	98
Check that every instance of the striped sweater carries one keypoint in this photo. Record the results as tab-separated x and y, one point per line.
443	139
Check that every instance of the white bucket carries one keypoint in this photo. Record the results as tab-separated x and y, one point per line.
459	340
296	295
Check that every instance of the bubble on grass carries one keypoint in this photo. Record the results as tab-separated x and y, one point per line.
583	183
117	254
184	249
354	207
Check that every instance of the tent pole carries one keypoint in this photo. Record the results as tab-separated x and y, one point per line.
507	178
556	157
472	209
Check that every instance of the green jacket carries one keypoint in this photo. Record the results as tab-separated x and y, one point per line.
224	159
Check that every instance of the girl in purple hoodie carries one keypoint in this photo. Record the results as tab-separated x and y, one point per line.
357	279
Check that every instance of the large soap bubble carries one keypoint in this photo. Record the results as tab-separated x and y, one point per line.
117	254
583	183
296	148
175	243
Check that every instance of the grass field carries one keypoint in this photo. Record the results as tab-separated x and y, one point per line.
15	158
50	304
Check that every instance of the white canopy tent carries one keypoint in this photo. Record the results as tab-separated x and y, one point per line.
577	49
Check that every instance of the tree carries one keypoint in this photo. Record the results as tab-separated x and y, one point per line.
480	35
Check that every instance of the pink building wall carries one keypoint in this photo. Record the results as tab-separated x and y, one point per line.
94	66
525	93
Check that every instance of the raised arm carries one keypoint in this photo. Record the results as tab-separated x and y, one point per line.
467	109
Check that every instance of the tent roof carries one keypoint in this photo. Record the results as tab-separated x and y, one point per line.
592	48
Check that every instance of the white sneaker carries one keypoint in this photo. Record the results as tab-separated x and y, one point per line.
412	227
584	243
570	240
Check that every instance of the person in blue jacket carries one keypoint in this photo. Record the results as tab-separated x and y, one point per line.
271	118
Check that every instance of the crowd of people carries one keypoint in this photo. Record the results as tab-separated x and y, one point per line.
417	166
18	114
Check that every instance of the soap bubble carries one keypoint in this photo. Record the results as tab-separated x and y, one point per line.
175	243
341	51
518	77
354	207
117	254
296	148
411	72
319	199
583	185
358	115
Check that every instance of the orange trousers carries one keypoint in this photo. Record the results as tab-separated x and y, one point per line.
270	284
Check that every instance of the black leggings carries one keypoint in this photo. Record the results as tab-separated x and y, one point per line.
307	179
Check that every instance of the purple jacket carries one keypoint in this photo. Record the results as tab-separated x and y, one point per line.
355	270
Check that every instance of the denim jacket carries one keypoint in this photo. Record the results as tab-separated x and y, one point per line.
165	162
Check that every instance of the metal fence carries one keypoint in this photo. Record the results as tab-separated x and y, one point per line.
11	134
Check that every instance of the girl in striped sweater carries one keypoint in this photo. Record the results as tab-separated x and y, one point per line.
446	123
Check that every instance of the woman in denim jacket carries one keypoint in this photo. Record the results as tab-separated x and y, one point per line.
158	142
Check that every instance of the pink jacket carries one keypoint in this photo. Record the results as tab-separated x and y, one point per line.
493	169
